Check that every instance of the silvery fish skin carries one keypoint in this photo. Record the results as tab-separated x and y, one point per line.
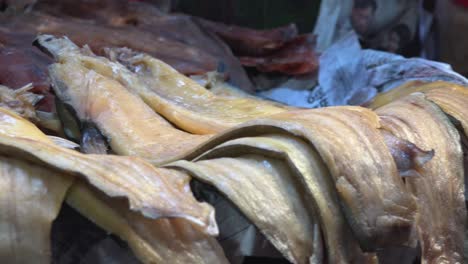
440	192
311	172
265	191
30	199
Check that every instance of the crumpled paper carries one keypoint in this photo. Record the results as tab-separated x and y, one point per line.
350	75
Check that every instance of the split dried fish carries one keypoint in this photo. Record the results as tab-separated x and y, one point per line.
176	97
153	192
152	240
184	102
268	195
150	193
131	128
309	169
359	163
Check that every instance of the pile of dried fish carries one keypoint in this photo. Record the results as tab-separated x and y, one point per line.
330	185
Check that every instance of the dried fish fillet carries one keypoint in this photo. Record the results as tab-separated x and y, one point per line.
153	241
409	88
348	139
440	192
454	102
176	97
131	128
265	191
188	223
184	102
30	199
153	192
312	173
401	91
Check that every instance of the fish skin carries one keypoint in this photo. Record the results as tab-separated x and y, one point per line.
355	176
176	97
184	102
152	240
123	177
261	184
30	199
132	128
440	192
408	158
111	174
341	245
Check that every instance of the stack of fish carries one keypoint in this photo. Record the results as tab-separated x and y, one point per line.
329	185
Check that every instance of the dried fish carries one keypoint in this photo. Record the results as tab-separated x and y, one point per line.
92	141
407	156
132	128
176	97
265	191
30	199
153	241
151	193
184	102
440	192
21	101
409	88
307	168
245	41
453	99
379	214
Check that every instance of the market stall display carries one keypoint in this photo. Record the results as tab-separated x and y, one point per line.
178	168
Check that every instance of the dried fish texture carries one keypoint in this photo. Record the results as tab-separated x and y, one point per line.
132	128
453	99
21	62
184	102
409	88
151	191
265	191
21	101
408	157
177	98
152	240
157	200
310	171
440	191
245	41
187	59
201	46
30	199
375	200
296	57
